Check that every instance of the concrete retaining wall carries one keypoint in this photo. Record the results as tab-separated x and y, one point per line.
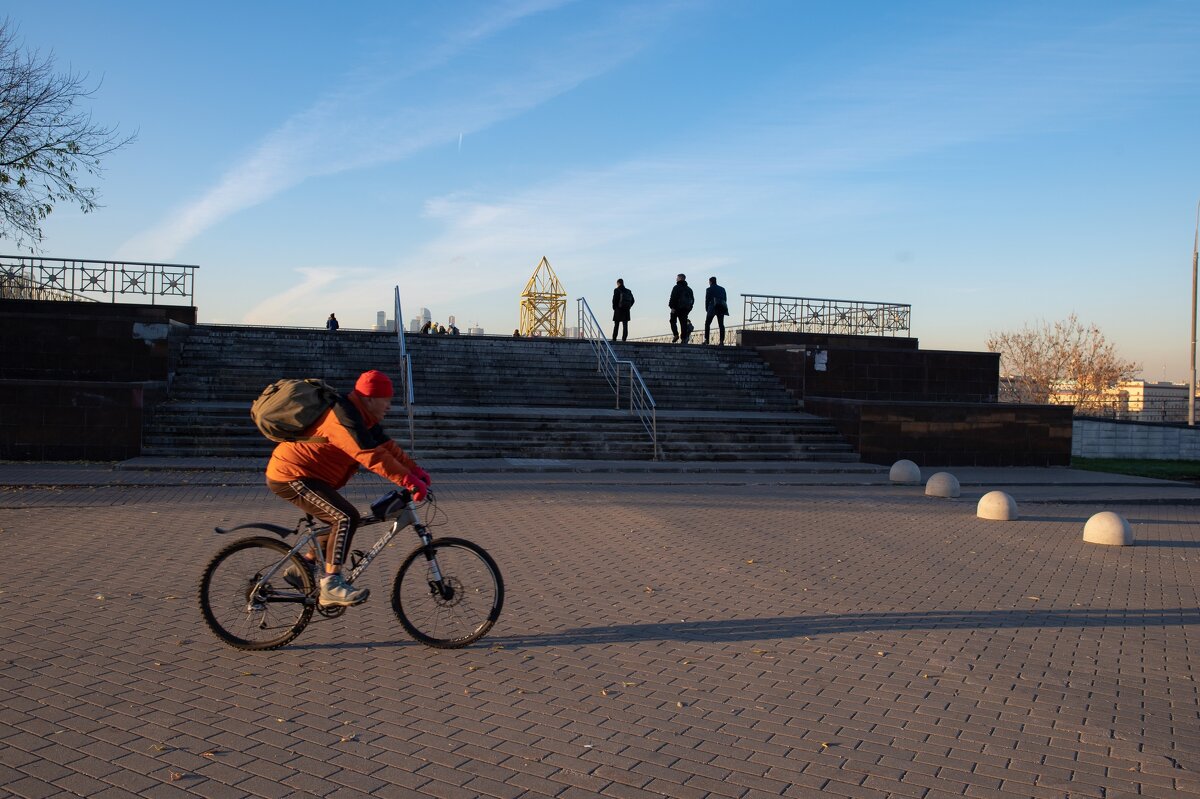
1094	438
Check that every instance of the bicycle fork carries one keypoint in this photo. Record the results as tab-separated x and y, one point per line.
408	517
438	585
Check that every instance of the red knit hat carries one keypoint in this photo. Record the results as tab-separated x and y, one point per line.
374	384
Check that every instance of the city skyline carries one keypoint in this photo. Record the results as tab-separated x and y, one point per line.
991	165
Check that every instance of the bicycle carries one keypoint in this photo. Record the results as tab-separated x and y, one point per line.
260	593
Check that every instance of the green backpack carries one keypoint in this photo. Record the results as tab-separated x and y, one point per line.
287	408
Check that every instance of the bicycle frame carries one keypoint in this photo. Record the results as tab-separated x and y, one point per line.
407	517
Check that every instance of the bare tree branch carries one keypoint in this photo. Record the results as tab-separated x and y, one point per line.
46	142
1065	358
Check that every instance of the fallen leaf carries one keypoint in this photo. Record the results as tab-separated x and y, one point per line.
176	776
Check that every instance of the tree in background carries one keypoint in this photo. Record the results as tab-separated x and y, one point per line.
46	142
1065	359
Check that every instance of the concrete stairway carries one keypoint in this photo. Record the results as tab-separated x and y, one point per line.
488	397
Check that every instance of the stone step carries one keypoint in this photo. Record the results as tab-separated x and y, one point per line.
536	398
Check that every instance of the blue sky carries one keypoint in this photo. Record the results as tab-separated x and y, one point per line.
992	164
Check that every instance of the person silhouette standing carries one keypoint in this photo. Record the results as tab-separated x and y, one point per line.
331	324
621	303
715	304
681	303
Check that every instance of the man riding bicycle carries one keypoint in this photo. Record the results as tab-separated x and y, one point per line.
309	474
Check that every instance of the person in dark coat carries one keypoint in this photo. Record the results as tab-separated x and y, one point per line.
715	304
622	302
331	324
681	303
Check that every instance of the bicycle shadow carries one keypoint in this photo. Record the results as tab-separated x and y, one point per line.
740	630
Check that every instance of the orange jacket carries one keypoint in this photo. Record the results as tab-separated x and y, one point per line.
353	438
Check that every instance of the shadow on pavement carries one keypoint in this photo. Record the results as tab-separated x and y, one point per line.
1150	542
733	630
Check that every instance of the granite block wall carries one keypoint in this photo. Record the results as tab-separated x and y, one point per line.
46	420
77	378
886	374
952	434
773	338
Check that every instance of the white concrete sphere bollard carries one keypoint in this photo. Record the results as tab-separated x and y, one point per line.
1108	528
997	506
905	471
942	484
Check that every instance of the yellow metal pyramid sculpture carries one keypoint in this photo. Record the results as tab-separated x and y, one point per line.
543	303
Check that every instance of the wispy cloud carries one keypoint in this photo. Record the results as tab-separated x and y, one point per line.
809	161
429	105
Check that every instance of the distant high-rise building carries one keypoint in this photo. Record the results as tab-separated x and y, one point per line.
423	316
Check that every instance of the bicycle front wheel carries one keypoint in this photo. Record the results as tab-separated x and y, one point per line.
247	613
457	609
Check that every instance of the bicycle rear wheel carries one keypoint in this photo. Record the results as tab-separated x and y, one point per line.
457	610
246	615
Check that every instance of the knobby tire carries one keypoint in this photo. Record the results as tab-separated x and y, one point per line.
225	596
467	616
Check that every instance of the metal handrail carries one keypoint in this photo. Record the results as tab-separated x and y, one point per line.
820	315
406	371
80	279
607	363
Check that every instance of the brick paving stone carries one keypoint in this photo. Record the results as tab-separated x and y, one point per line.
980	688
118	793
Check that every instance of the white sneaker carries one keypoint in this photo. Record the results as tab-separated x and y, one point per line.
336	591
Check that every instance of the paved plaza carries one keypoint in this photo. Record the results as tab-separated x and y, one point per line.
737	633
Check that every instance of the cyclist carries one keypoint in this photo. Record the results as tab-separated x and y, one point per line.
309	474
